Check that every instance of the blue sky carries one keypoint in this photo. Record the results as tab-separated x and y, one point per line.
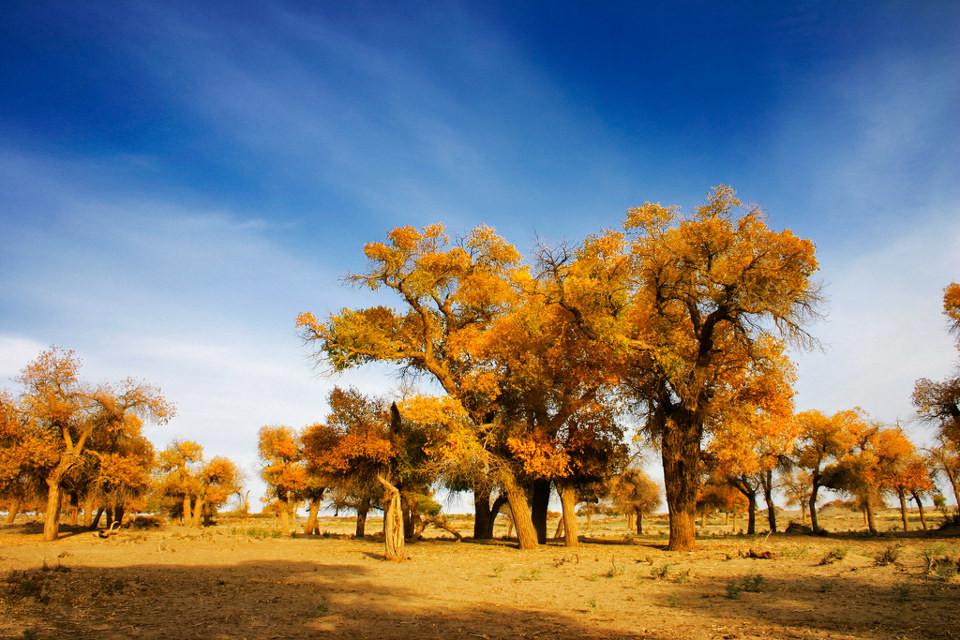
177	181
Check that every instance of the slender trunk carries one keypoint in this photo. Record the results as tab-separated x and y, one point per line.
871	524
768	498
118	511
680	451
482	527
110	517
639	517
539	502
392	521
923	520
13	508
498	504
284	518
74	510
903	508
631	516
96	519
752	513
185	511
51	520
311	528
803	512
362	510
814	525
568	501
520	510
559	532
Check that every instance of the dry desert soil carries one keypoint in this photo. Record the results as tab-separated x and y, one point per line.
239	579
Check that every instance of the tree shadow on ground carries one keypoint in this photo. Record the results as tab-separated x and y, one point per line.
274	599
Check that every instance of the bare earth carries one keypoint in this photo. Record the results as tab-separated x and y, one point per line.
237	581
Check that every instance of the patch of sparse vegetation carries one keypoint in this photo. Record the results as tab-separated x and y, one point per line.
888	555
833	555
752	584
660	572
901	592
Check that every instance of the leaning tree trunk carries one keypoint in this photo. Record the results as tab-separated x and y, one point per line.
680	452
768	498
539	503
392	521
559	532
95	522
51	519
814	524
311	527
568	502
520	510
953	485
362	510
13	508
903	509
498	504
923	520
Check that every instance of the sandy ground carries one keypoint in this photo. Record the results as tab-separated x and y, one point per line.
236	580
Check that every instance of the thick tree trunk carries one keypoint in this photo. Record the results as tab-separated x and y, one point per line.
680	452
198	511
568	502
768	498
631	517
89	504
284	512
752	513
392	521
539	502
482	527
520	510
51	519
185	511
814	525
903	509
110	519
362	510
868	511
409	514
118	512
13	508
311	528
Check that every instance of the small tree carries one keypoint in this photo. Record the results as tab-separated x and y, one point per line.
635	494
283	470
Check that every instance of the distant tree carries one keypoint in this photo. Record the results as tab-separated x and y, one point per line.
180	465
797	485
635	494
218	480
283	470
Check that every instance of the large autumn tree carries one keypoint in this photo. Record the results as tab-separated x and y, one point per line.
69	414
450	294
698	305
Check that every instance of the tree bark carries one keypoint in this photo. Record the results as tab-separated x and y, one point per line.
284	518
89	504
311	528
362	510
392	521
868	511
96	519
13	508
482	528
923	520
752	513
520	510
185	511
559	532
768	498
639	517
803	512
568	502
498	503
51	519
631	518
118	512
814	525
539	503
680	452
903	509
198	511
409	518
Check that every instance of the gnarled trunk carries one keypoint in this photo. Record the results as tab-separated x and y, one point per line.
198	511
392	521
520	510
13	508
539	503
51	519
680	452
311	527
814	525
868	511
568	502
362	510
